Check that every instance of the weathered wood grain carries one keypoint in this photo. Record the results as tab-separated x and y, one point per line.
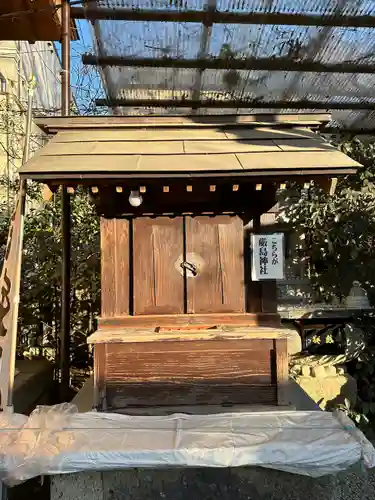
188	372
115	273
212	361
186	334
145	395
282	373
158	285
108	277
173	320
269	296
171	372
218	244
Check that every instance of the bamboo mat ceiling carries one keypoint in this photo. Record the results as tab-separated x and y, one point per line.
194	41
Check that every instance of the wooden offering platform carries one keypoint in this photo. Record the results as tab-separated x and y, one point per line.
222	366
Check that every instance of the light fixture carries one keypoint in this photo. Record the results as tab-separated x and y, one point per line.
135	199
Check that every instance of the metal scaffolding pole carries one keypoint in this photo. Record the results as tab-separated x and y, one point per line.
194	16
253	63
237	103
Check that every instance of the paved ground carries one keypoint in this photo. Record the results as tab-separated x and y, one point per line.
213	484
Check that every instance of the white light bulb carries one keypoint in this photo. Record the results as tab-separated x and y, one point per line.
135	199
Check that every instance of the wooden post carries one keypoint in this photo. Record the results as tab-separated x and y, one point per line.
16	291
262	296
256	305
64	360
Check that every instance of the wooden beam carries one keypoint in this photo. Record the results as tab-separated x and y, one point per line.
328	184
51	125
235	103
347	130
68	178
193	16
253	63
177	320
333	186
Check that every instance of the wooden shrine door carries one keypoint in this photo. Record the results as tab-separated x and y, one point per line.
158	243
188	265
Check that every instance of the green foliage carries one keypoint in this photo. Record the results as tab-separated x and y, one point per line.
337	233
337	238
39	316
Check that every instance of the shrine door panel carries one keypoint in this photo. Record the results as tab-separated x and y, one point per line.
114	244
158	247
215	245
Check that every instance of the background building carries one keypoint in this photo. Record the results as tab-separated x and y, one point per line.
24	66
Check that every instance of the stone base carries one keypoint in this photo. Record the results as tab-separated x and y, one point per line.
243	483
328	386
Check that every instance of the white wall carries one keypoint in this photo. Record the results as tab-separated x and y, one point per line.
19	61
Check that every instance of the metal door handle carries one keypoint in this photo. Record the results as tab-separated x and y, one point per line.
190	267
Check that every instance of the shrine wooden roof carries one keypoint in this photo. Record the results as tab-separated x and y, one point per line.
184	147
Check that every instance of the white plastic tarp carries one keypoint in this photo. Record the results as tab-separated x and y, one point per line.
57	440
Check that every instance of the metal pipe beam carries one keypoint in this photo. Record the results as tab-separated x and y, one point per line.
64	353
259	64
235	103
204	48
65	57
191	16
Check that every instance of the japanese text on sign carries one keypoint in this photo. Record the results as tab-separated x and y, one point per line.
267	256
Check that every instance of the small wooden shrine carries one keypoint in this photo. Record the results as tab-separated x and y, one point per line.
183	322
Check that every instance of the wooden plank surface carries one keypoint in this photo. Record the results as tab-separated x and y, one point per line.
107	269
173	320
191	345
269	296
317	162
224	332
273	133
294	144
90	147
229	146
216	243
203	409
130	163
115	273
299	159
158	284
137	135
282	370
156	394
219	362
269	119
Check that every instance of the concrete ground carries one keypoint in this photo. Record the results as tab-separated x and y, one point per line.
212	484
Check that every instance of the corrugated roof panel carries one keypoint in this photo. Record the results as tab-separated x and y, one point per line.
185	40
347	7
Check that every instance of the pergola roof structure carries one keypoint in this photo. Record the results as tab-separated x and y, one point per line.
237	56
